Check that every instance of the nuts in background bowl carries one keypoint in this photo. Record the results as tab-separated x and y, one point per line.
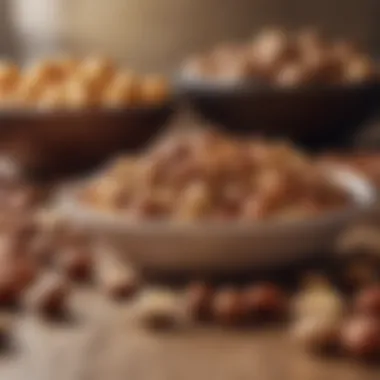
284	59
69	83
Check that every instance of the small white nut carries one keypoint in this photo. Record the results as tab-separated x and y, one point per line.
160	309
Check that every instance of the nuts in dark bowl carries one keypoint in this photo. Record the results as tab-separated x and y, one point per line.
290	85
68	120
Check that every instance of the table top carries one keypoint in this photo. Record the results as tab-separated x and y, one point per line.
102	341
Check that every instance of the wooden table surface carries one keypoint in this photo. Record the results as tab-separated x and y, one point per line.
102	341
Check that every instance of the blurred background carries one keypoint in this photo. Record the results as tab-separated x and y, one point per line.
156	35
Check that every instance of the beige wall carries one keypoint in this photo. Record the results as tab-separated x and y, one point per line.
156	34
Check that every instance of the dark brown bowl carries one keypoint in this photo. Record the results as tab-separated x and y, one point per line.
62	142
314	118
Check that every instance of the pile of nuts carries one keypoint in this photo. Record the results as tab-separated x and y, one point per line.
207	176
69	83
285	59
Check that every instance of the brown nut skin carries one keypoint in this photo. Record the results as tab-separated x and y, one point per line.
49	294
367	301
265	301
360	337
316	334
199	297
228	307
75	262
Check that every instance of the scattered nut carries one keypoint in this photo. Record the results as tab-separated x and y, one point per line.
75	262
367	301
228	307
321	302
49	294
115	278
159	309
199	297
360	337
316	333
265	301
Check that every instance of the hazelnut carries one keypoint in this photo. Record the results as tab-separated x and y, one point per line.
228	307
360	336
75	262
49	294
265	300
316	333
367	301
199	297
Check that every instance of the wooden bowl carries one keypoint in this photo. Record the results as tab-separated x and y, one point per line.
314	118
61	142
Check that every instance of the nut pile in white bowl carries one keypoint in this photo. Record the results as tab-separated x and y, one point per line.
205	175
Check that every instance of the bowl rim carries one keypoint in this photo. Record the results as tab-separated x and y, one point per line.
185	83
21	112
363	193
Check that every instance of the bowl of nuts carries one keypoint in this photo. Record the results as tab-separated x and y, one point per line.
300	86
205	201
63	114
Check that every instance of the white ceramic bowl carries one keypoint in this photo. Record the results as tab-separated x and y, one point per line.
225	246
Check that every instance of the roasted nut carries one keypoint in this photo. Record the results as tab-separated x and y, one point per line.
367	301
360	336
75	262
159	309
49	294
116	279
316	333
199	297
265	301
321	302
228	307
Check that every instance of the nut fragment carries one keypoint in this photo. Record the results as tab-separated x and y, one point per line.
316	333
115	278
228	307
159	309
75	262
49	294
322	302
6	327
367	301
360	337
265	301
199	298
